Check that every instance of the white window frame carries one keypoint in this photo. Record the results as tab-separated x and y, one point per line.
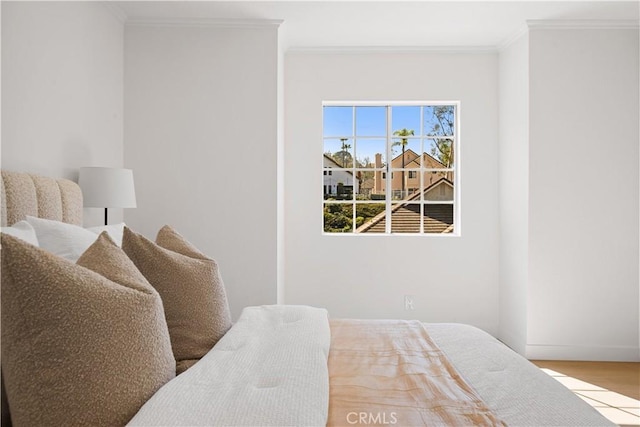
389	202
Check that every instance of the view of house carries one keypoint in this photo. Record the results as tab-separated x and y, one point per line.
337	182
408	188
411	177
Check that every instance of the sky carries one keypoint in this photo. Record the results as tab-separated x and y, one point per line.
370	129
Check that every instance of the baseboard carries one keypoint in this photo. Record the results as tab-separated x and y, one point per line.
583	353
513	341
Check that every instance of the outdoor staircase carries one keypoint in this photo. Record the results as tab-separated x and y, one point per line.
406	219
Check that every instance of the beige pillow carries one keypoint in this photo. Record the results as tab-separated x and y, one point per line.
79	348
192	291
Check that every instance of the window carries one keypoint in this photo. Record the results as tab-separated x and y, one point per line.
415	144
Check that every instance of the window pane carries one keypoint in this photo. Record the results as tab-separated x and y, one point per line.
328	189
438	218
405	218
412	184
371	153
432	178
379	185
338	218
411	153
439	120
371	121
365	184
405	120
405	184
338	121
338	184
439	153
338	153
438	186
370	218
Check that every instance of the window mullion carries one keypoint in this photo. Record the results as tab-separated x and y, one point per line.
353	164
388	181
421	169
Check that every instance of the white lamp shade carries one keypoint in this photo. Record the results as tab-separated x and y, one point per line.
107	187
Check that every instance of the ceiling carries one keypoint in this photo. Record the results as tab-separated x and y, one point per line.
340	24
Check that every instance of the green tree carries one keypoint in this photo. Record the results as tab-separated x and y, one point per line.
404	133
338	218
444	126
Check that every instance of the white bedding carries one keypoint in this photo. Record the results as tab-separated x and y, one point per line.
275	357
515	389
272	361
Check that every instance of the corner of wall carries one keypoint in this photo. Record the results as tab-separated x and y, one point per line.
280	274
513	185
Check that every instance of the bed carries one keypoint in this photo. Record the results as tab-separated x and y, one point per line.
295	365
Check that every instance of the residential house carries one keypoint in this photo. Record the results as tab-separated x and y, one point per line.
411	177
336	182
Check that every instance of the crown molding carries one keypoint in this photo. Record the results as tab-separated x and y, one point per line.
390	49
513	37
583	24
116	10
204	22
555	24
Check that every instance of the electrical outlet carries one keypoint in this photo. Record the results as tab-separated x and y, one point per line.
408	302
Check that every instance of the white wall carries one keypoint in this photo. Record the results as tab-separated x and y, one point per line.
514	192
201	138
62	88
583	248
451	278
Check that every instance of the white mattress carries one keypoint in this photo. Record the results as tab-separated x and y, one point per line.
515	389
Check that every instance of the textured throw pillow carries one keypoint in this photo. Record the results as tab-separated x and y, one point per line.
66	240
192	291
79	347
24	231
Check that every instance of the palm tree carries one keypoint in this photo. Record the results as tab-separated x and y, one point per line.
344	148
404	132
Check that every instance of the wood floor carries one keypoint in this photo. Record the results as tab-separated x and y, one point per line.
621	377
612	388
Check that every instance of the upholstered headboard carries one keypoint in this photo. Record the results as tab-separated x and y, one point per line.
28	194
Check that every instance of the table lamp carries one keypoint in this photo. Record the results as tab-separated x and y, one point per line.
106	188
